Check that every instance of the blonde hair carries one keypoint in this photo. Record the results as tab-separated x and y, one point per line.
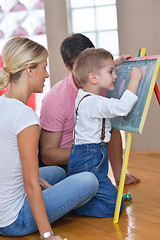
91	60
18	54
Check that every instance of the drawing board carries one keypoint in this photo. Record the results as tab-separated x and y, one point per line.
134	121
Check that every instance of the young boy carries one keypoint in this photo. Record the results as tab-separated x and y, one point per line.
94	68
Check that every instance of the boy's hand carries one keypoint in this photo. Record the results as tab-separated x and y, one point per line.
136	74
135	77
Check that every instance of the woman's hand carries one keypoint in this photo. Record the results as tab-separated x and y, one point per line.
44	184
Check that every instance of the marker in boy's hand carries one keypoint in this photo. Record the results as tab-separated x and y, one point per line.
135	77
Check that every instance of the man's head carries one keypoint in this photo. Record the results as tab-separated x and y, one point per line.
72	46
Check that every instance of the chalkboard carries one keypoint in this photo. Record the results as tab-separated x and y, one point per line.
135	120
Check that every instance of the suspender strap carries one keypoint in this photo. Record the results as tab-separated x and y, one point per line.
76	113
103	122
80	102
103	131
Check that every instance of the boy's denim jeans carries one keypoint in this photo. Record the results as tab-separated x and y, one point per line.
67	193
94	158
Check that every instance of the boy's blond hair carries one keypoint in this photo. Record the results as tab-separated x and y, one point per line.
91	60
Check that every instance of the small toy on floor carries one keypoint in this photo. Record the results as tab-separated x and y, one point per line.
127	197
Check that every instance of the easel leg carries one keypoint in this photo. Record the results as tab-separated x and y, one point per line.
122	179
157	92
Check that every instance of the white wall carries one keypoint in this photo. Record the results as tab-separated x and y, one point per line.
57	30
138	23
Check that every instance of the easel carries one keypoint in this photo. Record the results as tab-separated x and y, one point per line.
140	53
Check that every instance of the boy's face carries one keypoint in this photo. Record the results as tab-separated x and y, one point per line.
106	77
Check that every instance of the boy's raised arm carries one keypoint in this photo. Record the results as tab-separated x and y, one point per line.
135	78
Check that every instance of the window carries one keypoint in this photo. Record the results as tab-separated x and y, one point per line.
24	18
97	19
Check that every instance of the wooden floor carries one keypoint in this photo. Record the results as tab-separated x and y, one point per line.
140	219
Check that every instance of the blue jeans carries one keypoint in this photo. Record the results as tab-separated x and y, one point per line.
67	193
94	158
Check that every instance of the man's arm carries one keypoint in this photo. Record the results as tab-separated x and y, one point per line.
51	153
121	59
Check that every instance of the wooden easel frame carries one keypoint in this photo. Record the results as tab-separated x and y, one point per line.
140	53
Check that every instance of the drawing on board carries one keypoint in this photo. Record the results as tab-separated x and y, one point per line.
134	121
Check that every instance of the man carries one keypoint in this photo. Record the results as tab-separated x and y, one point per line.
57	114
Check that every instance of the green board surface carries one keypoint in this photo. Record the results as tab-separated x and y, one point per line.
132	121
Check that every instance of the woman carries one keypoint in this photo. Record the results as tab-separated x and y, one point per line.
24	208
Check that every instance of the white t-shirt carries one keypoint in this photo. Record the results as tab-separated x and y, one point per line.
14	117
93	109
